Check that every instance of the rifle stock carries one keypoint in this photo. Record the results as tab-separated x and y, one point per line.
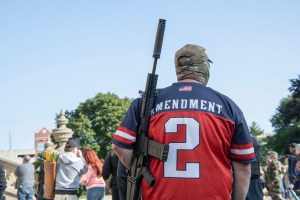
144	146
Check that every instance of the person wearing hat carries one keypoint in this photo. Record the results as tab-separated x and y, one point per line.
291	152
291	148
206	131
273	176
70	166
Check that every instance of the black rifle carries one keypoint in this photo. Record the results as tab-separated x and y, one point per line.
144	146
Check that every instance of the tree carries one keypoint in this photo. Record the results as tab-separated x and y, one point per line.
288	112
291	111
255	129
286	120
96	120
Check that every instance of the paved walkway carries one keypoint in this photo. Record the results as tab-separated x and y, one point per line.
107	197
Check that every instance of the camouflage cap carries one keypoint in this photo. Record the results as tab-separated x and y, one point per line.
194	52
273	154
192	62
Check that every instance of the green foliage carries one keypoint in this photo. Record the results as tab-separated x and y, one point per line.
286	120
278	141
255	129
263	141
96	120
277	118
39	161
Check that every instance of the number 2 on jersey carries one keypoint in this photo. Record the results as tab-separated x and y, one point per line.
192	170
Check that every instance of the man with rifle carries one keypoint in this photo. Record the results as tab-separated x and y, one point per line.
210	149
145	147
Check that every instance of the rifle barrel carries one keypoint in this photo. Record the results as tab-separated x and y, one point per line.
158	42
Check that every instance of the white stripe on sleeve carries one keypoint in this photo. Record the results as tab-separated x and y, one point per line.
125	135
242	152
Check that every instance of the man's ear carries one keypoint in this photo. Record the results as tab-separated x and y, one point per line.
74	150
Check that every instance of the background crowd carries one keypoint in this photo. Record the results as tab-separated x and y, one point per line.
273	178
280	175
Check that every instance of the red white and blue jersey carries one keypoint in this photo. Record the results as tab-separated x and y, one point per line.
205	130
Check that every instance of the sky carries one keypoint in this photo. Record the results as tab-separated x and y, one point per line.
55	55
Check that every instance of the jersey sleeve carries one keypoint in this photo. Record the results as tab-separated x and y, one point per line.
241	149
125	135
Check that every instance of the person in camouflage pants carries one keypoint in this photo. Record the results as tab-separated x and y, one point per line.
273	176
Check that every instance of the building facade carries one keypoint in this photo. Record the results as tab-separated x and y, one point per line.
40	138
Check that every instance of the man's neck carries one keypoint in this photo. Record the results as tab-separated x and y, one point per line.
190	81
